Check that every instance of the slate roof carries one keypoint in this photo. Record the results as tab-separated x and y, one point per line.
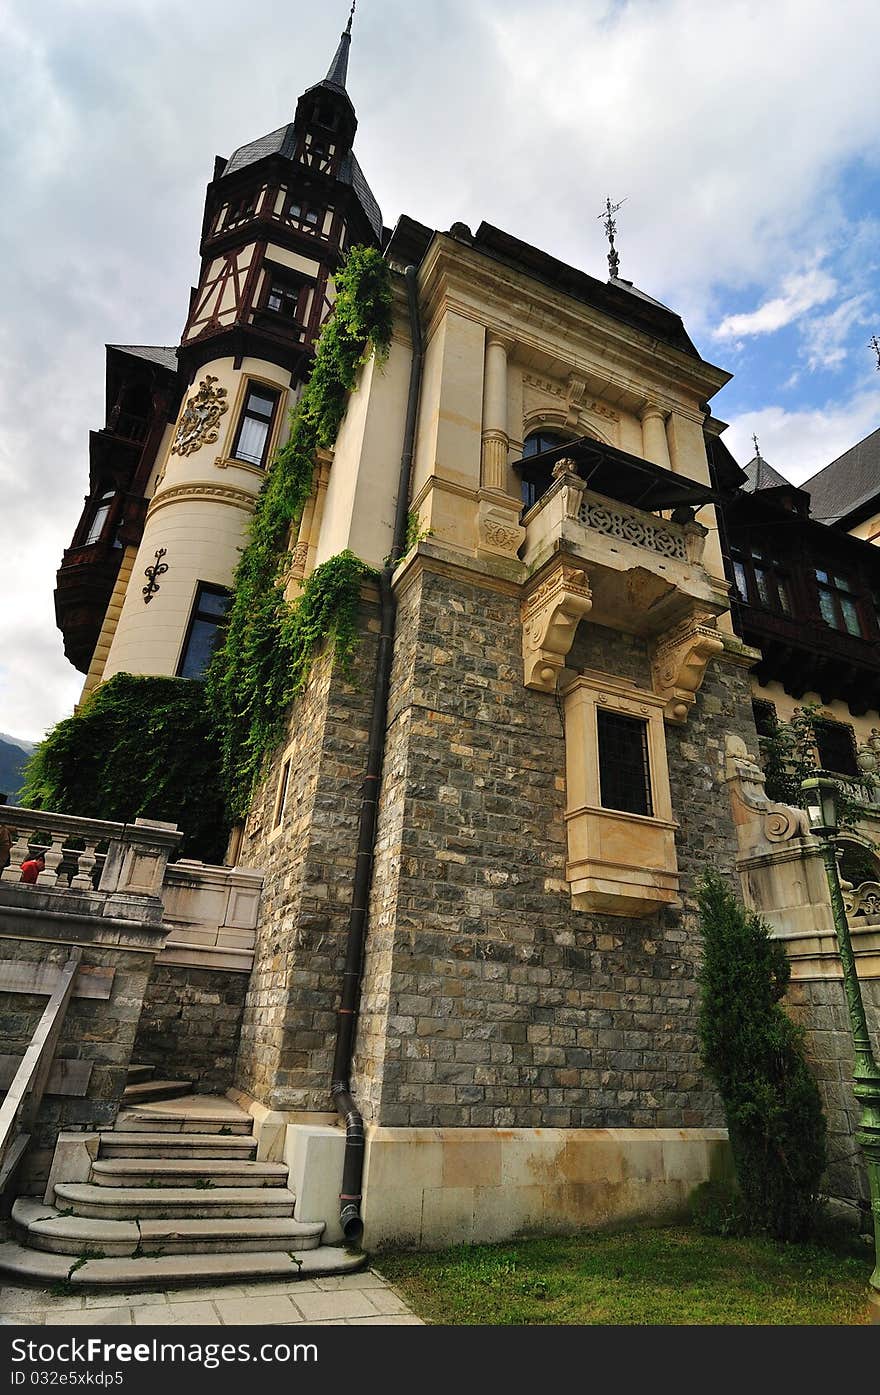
760	475
283	142
849	484
153	353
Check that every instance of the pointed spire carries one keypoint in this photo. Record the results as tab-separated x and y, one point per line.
338	70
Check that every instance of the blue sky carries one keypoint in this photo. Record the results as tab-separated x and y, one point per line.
745	139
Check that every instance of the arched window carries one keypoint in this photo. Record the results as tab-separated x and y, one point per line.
536	482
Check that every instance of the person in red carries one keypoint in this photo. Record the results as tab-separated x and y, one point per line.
32	867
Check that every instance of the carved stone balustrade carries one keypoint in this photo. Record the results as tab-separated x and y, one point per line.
92	866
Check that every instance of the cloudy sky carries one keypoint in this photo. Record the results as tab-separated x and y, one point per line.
745	138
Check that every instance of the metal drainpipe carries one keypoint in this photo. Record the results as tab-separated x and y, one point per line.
353	1163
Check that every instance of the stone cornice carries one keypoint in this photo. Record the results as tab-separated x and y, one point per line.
429	557
451	273
203	491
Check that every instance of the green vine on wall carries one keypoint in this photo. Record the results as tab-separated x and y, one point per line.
790	755
268	647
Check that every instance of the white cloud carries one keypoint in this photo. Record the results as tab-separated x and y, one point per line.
825	336
800	293
798	443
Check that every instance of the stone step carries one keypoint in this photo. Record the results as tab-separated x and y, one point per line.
139	1121
37	1266
121	1144
186	1203
183	1172
136	1074
45	1228
185	1114
155	1090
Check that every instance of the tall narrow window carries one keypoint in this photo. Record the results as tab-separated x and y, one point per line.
624	768
836	744
99	517
838	603
205	627
281	796
255	425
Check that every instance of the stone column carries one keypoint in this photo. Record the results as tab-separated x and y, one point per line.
495	444
654	445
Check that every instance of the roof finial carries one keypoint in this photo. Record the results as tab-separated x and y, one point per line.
607	217
350	17
758	455
875	345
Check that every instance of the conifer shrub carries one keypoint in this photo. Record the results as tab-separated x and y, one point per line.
755	1054
138	748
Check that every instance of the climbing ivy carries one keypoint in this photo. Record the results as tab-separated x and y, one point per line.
790	755
138	748
264	659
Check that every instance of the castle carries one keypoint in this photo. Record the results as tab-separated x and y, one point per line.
495	995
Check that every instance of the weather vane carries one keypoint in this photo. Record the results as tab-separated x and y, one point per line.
875	345
757	447
607	217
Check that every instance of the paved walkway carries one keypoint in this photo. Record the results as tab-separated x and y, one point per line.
363	1298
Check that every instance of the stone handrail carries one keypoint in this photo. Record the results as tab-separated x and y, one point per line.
683	542
120	865
19	1109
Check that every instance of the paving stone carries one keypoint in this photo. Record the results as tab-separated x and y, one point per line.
274	1308
176	1315
96	1317
317	1306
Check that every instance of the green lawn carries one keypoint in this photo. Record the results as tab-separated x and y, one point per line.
636	1276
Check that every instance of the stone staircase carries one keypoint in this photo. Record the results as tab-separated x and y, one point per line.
175	1196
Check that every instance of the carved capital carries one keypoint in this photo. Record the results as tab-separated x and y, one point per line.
550	616
678	662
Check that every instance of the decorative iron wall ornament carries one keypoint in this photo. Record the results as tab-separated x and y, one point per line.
200	424
159	568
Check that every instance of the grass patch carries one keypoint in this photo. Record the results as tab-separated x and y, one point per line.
674	1276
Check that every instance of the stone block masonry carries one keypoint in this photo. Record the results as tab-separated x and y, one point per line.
307	854
488	1000
190	1024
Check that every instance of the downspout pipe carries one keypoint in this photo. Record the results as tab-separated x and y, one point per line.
353	1162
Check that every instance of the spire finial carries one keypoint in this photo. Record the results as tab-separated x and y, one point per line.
758	455
338	70
607	217
875	345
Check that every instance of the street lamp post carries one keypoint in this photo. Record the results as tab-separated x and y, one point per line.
821	805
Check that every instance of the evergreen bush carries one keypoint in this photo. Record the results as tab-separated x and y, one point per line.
755	1054
138	748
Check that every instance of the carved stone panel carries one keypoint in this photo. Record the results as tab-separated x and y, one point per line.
551	613
200	423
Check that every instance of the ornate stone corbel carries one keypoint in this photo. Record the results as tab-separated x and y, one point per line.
576	390
678	662
550	616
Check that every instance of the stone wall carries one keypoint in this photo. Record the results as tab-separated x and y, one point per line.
820	1007
289	1021
487	1000
190	1024
99	1032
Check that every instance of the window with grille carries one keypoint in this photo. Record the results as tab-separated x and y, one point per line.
255	425
624	766
761	581
205	627
838	603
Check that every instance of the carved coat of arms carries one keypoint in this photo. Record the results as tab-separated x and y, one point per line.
199	425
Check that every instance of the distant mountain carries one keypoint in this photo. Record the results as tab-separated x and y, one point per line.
13	758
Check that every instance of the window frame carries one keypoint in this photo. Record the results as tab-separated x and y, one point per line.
746	565
104	501
838	592
257	385
844	730
201	588
642	790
